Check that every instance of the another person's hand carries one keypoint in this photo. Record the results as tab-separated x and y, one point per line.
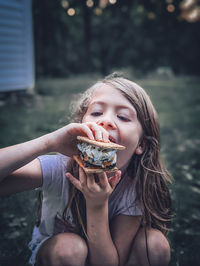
64	140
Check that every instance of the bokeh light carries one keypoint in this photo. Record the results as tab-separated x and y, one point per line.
140	9
112	2
151	15
90	3
190	10
98	11
71	12
103	3
64	3
170	8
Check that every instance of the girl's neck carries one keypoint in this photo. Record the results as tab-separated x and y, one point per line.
123	169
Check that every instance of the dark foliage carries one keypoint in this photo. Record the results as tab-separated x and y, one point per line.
139	34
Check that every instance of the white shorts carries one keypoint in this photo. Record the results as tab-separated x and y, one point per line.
35	244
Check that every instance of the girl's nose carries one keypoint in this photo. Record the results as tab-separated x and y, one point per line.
106	123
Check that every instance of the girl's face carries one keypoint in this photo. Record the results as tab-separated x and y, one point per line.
111	110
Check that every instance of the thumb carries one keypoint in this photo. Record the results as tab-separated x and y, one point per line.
114	180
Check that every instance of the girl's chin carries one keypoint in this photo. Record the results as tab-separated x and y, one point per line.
122	166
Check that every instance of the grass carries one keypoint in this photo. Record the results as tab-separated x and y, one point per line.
177	102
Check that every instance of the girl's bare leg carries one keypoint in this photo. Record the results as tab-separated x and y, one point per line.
157	249
61	250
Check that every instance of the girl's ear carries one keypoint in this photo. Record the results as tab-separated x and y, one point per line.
140	148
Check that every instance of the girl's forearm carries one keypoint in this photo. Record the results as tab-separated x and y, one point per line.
14	157
101	248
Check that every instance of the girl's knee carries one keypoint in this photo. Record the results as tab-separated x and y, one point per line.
63	249
72	248
152	250
159	248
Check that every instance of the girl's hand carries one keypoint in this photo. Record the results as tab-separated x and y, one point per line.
64	140
95	193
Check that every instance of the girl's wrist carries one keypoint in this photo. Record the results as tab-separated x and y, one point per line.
96	207
46	144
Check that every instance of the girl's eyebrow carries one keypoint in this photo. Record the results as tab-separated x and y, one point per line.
132	110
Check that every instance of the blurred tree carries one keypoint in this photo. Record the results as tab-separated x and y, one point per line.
99	35
51	31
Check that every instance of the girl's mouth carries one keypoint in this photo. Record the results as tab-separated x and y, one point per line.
112	139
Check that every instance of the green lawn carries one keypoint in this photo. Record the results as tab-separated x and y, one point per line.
177	102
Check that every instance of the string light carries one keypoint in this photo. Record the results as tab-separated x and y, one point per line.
190	10
194	15
103	3
98	11
112	2
151	15
140	9
187	4
170	8
64	4
90	3
71	12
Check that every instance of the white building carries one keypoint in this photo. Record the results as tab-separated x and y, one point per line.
16	45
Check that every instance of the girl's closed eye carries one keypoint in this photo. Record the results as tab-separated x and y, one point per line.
123	118
96	113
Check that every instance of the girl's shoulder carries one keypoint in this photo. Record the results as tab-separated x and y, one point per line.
54	168
54	160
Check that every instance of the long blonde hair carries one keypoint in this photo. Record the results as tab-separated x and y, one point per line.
147	170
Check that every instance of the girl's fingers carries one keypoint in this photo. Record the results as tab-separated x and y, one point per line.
103	180
96	130
114	180
105	133
82	177
99	132
91	182
76	129
74	181
88	132
106	136
98	135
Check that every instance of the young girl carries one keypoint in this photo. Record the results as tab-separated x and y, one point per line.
104	219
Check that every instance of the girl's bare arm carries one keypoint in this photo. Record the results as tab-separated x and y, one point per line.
111	243
25	178
15	157
102	250
19	168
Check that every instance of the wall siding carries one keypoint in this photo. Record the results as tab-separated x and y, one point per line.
16	45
